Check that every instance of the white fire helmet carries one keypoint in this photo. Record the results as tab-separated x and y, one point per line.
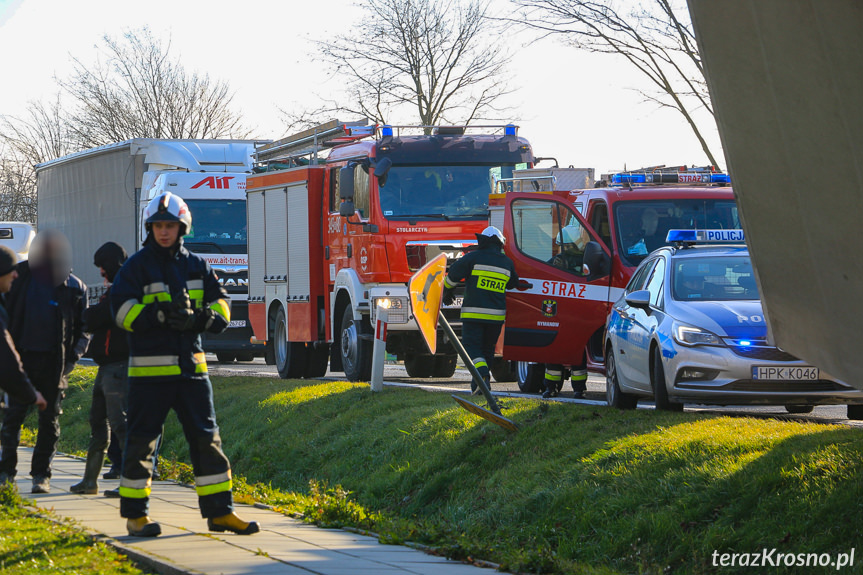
493	232
168	207
573	235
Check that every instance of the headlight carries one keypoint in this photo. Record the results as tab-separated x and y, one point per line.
397	306
691	335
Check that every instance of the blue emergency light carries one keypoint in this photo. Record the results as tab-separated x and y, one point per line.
689	177
386	130
705	236
509	130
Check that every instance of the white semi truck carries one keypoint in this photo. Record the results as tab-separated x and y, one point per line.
98	195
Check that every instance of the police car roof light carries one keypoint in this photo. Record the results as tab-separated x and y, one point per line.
705	236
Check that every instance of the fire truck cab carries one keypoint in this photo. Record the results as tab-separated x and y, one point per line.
330	239
579	248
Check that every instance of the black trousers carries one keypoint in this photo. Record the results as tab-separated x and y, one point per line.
479	339
43	372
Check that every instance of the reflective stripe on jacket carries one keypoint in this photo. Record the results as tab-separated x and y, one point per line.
153	277
487	274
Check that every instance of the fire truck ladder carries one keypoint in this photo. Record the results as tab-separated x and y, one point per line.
309	142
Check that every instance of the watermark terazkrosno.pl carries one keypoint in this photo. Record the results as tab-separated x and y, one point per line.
775	558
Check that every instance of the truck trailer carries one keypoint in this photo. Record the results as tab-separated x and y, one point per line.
98	195
330	240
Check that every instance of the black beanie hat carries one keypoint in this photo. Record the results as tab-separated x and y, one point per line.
110	257
8	260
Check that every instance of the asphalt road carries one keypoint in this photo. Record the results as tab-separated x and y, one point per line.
395	374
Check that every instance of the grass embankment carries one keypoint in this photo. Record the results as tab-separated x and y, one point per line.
579	489
32	544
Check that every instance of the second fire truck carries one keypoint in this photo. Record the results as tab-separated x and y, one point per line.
331	239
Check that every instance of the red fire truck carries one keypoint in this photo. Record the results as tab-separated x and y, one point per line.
330	239
580	248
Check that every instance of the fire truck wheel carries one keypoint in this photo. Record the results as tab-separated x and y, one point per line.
420	365
531	377
317	360
290	355
354	349
444	365
503	371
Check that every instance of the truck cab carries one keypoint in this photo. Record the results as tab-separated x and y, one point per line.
579	248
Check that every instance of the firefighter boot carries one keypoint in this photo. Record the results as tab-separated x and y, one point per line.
90	484
231	522
143	527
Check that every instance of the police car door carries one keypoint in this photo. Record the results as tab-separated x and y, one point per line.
552	322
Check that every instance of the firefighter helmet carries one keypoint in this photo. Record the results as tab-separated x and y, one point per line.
493	232
168	207
574	235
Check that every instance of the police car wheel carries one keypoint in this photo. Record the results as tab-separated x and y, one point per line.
660	391
799	408
613	395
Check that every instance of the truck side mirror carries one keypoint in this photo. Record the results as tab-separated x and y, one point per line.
346	183
382	167
596	259
346	208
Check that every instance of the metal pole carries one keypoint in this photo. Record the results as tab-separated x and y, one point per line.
379	349
480	382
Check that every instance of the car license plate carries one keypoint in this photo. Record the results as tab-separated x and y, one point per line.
237	323
455	304
798	373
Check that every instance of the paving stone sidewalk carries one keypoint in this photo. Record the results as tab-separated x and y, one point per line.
284	545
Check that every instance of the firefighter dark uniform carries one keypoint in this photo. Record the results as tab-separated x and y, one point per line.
166	297
487	274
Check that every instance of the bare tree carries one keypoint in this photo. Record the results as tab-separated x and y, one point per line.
439	58
17	189
655	37
135	89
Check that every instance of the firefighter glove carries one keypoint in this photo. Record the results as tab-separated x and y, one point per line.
181	319
448	296
158	312
204	319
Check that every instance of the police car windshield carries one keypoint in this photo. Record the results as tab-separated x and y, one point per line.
439	192
218	226
718	278
643	225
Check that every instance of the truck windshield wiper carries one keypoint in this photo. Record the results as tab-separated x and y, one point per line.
441	216
208	244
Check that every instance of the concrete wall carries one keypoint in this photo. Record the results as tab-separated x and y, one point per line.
786	79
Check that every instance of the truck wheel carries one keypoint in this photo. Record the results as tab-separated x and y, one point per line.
224	357
444	365
531	377
355	350
317	359
660	391
503	371
799	408
290	355
420	365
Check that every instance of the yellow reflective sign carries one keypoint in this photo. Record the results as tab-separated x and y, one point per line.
426	289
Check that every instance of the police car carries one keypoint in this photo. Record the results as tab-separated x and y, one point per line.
689	327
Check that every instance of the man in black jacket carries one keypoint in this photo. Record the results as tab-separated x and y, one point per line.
45	308
109	349
13	378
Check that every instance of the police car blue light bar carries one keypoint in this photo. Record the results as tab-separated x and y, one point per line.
705	236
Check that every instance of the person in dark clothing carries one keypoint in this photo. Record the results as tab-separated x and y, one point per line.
488	273
109	349
45	305
166	297
13	378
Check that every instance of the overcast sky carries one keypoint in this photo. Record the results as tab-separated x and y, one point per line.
580	108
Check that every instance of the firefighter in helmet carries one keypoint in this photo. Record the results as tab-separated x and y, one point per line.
487	273
166	297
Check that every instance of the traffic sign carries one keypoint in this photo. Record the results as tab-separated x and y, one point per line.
426	290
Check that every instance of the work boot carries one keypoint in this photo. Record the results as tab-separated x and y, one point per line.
113	473
550	392
90	484
231	522
143	527
41	484
112	493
